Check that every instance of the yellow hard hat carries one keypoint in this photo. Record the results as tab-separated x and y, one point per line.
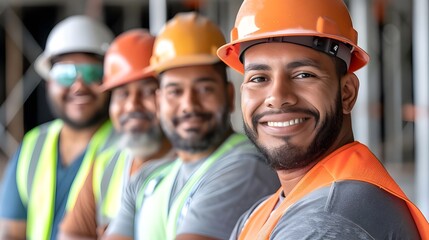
187	39
324	25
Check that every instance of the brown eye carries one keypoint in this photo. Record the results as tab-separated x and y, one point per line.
304	75
120	94
174	92
258	79
149	92
206	89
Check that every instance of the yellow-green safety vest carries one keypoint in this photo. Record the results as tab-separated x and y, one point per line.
161	222
36	173
108	179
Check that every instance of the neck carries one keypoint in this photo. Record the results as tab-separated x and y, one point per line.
74	141
81	133
290	178
193	157
189	157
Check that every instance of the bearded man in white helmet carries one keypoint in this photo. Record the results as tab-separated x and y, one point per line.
47	171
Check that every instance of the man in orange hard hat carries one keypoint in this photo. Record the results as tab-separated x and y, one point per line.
142	144
218	173
298	59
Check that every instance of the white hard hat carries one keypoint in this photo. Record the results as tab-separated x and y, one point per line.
74	34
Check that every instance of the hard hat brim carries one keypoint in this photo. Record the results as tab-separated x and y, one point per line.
122	80
42	65
185	61
229	53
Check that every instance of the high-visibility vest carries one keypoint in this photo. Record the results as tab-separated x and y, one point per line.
353	161
158	222
36	173
110	172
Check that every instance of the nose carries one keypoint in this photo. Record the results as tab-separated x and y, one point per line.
134	103
282	93
190	101
78	84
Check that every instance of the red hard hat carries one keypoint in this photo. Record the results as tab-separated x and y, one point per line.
296	21
127	58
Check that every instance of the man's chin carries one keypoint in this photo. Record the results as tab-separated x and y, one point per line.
79	124
191	136
141	143
144	152
131	135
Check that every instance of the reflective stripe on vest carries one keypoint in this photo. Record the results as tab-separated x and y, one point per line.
109	173
99	142
36	174
32	145
351	162
161	222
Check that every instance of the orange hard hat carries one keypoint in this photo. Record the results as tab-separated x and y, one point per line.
324	25
127	58
187	39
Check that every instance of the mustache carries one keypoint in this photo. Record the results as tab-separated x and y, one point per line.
257	117
186	116
137	115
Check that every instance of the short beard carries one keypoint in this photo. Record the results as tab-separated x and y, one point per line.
288	156
98	117
195	145
142	144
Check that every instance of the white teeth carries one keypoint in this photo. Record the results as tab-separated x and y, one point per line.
286	124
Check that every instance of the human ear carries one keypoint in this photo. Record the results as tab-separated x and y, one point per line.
349	91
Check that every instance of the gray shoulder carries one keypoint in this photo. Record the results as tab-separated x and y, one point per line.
348	210
244	153
245	162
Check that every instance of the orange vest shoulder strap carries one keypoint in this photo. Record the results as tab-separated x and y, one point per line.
259	216
351	162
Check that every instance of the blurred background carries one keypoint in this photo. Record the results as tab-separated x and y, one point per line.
391	115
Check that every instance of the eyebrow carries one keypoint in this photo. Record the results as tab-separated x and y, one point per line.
197	80
204	79
256	67
303	63
150	81
169	85
295	64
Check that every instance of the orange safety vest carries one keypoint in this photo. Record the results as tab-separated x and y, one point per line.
353	161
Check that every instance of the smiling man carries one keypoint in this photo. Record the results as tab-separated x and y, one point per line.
297	96
218	173
47	171
141	147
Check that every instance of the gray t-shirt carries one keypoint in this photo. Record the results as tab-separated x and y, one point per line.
232	184
344	210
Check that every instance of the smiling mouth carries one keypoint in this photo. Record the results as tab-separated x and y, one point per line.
287	123
81	99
